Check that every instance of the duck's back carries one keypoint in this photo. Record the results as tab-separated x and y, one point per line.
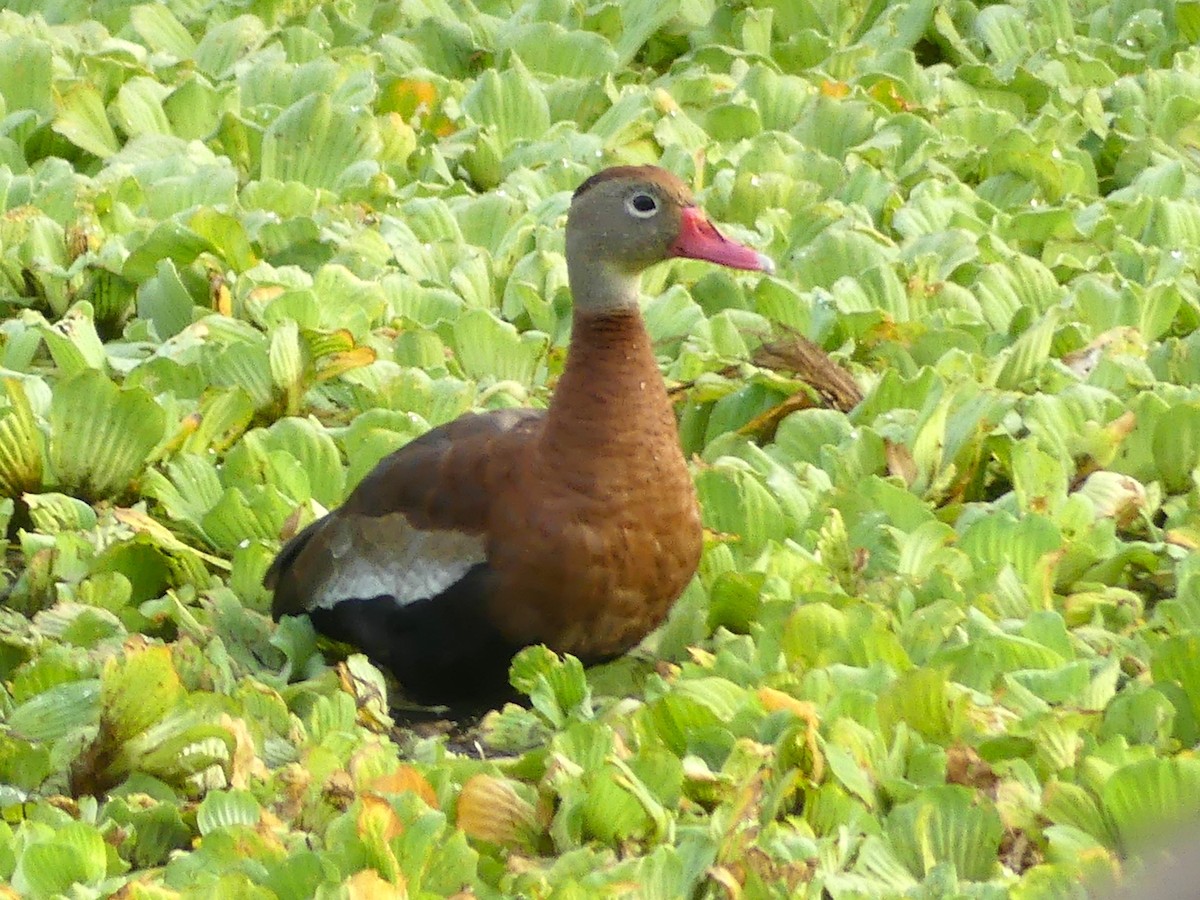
401	571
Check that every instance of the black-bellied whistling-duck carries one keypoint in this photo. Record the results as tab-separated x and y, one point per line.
574	526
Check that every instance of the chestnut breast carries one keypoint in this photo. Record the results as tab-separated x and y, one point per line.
614	536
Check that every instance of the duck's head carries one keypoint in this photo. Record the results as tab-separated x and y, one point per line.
627	218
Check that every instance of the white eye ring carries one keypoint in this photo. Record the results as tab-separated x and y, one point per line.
642	205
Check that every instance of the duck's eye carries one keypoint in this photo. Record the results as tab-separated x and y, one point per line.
642	205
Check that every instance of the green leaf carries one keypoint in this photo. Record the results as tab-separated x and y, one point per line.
81	119
838	253
138	691
253	513
76	856
111	297
1000	540
1176	446
1187	19
317	144
227	236
611	812
74	342
245	365
734	601
55	513
57	711
27	74
168	241
486	346
1177	661
224	416
287	364
305	441
1069	804
222	809
640	19
946	824
22	446
1025	358
509	102
225	43
1039	479
138	109
1018	283
194	109
877	860
158	27
924	700
165	301
734	501
1144	797
556	685
100	435
1005	32
546	47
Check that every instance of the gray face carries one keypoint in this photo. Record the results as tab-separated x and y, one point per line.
626	223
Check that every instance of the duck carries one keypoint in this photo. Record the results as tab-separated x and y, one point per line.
575	526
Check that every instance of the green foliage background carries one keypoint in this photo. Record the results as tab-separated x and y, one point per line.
946	645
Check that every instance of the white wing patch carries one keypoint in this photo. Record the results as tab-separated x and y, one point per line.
385	555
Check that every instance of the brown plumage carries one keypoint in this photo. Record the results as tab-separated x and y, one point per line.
576	527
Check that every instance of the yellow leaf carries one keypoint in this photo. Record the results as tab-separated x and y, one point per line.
246	764
370	885
377	825
365	684
406	778
334	364
135	890
409	96
813	759
322	343
377	819
261	296
773	700
1188	538
417	102
218	291
490	809
665	103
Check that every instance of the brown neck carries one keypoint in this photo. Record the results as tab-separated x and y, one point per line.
610	398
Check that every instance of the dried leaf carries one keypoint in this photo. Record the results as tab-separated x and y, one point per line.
246	767
814	366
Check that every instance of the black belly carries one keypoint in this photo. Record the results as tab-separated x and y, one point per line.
443	649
